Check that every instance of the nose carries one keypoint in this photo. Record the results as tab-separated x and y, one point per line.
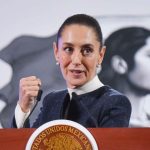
76	58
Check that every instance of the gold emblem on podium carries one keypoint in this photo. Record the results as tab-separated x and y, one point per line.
61	135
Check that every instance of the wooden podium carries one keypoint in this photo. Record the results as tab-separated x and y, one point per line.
107	138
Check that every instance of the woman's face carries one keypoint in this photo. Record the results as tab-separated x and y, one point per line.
140	75
78	54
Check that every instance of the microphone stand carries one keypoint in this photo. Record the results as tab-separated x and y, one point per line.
37	100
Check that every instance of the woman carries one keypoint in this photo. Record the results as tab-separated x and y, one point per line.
79	51
126	68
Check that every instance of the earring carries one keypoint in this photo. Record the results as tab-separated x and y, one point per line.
57	63
99	67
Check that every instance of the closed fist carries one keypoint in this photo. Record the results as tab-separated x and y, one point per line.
28	91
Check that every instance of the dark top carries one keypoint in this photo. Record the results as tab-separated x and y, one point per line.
104	107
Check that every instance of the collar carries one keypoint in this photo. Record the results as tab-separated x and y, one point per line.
90	86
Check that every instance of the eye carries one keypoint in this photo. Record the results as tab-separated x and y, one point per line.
68	49
86	51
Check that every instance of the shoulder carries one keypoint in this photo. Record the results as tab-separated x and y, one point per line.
113	97
109	96
107	91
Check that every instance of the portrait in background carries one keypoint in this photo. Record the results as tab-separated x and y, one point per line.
33	55
28	55
126	68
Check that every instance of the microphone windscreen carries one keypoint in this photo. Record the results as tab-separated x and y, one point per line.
39	95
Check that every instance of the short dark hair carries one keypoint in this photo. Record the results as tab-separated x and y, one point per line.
124	42
82	19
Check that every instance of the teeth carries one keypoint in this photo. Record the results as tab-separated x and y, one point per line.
77	71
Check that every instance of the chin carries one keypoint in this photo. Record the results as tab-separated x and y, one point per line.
77	84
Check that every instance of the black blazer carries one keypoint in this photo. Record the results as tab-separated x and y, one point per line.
104	107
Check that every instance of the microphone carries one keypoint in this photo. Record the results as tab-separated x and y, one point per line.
39	95
38	98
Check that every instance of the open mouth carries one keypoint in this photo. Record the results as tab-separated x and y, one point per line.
77	72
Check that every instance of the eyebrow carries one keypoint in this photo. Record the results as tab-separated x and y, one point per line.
84	45
88	45
66	43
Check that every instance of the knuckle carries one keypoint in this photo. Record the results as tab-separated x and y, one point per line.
33	77
27	93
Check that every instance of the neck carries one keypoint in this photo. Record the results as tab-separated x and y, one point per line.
125	86
139	91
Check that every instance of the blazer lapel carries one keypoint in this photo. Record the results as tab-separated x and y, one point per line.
79	112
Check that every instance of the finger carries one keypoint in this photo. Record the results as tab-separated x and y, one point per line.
39	82
30	83
30	78
27	89
31	94
32	88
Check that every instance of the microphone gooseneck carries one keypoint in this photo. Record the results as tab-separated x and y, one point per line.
40	92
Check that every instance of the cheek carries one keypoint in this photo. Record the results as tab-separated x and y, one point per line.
64	62
91	66
63	58
142	65
140	74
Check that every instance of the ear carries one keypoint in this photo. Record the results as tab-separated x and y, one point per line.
56	51
119	64
101	54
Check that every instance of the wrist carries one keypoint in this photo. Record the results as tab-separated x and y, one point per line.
24	108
